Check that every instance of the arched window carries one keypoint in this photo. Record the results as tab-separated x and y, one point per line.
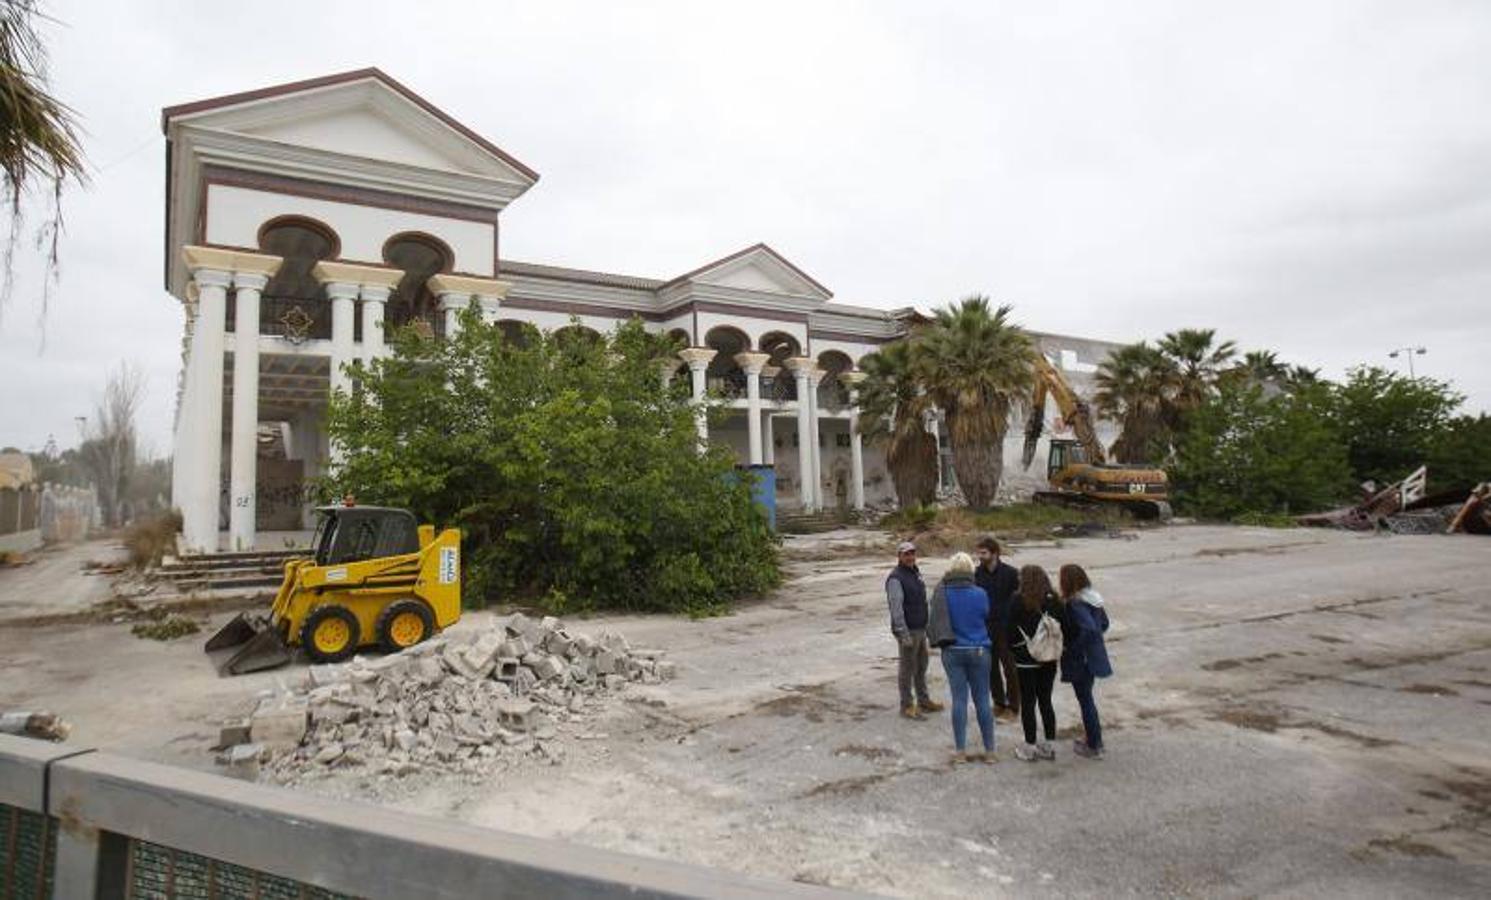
294	303
725	374
419	256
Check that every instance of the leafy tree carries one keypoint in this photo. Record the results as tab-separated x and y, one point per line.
892	410
38	137
975	365
1460	454
1249	453
1391	423
1137	386
572	472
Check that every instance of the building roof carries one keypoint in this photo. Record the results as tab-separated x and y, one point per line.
584	276
295	87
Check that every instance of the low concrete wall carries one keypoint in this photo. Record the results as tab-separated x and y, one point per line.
20	541
111	812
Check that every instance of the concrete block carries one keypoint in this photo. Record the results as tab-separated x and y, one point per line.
279	724
614	682
606	663
232	734
579	672
667	671
428	671
328	674
329	754
518	625
506	670
517	646
516	715
432	647
558	642
547	668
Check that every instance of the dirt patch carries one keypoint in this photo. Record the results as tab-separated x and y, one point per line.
873	754
1266	550
1222	665
1247	718
844	787
1327	639
1365	740
1407	846
1473	682
1435	690
816	703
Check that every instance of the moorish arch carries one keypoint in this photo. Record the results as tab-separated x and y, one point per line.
419	256
294	304
725	374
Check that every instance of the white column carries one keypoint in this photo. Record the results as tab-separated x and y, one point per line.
452	304
768	441
491	308
815	378
856	441
343	308
243	460
204	431
698	359
753	363
374	303
808	492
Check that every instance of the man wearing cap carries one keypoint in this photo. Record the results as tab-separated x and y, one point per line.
906	594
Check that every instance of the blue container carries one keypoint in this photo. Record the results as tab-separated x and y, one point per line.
763	490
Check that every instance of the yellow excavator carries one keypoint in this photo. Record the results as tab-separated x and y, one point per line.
1077	469
375	578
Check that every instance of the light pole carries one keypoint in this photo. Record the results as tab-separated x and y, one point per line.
1410	352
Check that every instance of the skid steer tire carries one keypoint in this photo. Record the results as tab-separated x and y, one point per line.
403	624
330	634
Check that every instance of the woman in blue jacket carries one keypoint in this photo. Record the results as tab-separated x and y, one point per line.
958	625
1084	655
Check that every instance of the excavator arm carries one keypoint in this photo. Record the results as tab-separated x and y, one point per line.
1076	412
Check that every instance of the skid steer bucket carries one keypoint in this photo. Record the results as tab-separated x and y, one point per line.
247	644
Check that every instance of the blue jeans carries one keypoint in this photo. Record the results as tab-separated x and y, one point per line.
967	671
1090	723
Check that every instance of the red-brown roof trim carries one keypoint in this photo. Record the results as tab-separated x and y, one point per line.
375	73
747	251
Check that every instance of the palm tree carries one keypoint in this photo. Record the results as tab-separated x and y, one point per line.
1260	367
38	140
1137	386
1198	362
976	366
892	412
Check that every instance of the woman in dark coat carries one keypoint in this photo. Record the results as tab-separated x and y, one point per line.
1084	656
1036	678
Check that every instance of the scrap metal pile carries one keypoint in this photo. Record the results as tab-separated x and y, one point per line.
1405	508
447	705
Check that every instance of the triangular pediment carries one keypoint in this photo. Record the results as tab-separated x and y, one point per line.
758	269
361	114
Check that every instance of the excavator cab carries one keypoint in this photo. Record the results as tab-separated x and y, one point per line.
1064	452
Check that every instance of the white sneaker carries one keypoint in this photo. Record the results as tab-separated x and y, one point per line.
1027	752
1045	751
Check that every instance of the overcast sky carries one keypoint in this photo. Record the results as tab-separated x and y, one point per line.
1309	177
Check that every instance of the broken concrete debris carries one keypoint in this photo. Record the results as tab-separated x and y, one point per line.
451	704
1404	508
42	725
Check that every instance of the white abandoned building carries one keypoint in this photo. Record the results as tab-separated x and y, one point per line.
303	219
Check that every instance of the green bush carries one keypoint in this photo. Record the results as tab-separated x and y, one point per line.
1391	425
1248	452
573	474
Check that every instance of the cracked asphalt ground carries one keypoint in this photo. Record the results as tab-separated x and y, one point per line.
1294	713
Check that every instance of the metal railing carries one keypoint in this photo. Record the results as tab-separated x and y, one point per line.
78	823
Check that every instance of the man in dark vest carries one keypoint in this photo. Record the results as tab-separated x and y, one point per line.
1000	581
907	595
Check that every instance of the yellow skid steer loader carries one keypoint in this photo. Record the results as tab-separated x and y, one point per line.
376	578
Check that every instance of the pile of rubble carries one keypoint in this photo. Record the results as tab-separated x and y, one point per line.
447	705
1405	508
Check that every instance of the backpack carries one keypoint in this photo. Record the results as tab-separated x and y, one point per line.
1045	645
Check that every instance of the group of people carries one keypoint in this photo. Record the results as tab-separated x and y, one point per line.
1003	635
